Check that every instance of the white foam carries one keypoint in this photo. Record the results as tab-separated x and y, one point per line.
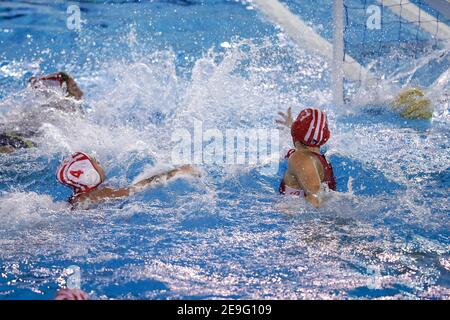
27	208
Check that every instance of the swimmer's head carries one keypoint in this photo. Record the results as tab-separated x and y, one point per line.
80	172
58	80
310	128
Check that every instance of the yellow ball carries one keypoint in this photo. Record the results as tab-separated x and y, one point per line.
412	104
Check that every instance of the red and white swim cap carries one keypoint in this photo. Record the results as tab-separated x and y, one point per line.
79	173
311	128
71	294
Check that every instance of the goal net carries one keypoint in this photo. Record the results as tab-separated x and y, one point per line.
401	42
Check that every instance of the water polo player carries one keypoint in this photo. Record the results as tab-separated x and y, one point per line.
84	175
309	172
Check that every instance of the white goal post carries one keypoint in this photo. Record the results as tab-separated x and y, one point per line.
304	35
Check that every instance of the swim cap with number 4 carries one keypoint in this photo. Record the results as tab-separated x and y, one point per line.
79	173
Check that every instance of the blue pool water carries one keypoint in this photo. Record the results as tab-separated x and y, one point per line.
149	68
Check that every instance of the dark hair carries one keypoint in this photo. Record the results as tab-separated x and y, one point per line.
64	76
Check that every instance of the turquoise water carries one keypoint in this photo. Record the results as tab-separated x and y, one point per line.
149	68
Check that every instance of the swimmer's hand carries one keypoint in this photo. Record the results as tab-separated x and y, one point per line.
189	170
303	168
314	200
286	118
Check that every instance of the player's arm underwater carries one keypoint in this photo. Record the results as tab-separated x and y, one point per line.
84	175
110	193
